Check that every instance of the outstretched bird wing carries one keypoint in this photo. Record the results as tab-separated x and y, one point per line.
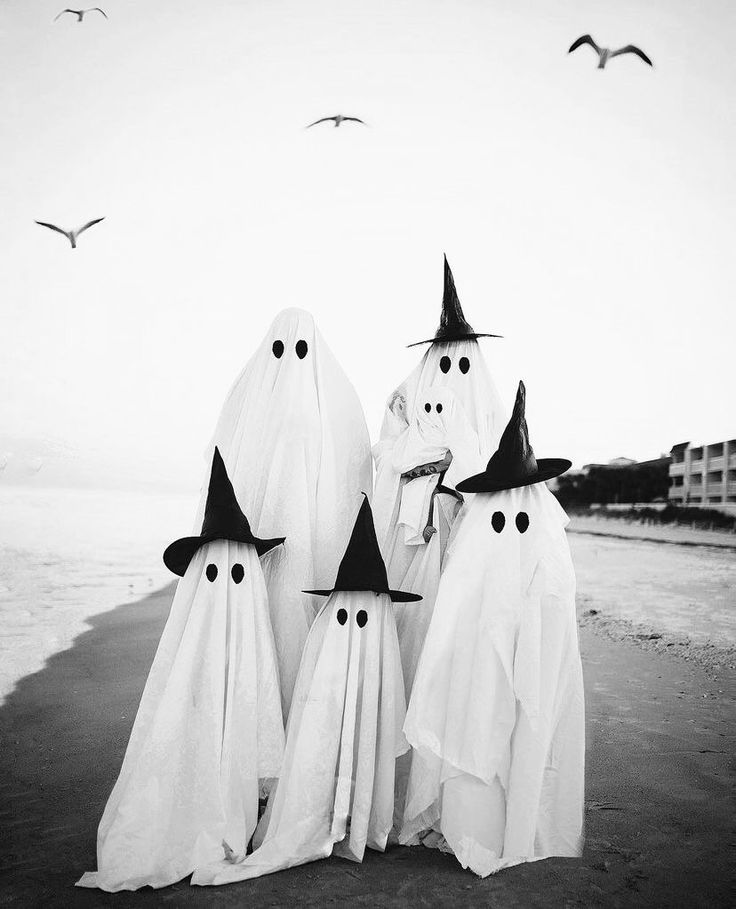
584	39
630	49
355	119
323	120
88	224
74	13
96	9
53	227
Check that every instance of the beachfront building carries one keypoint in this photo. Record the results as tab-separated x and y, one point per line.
704	475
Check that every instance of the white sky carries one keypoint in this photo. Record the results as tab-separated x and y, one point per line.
587	215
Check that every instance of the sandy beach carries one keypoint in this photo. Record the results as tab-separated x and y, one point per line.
659	746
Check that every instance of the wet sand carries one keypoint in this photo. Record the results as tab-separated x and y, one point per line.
660	807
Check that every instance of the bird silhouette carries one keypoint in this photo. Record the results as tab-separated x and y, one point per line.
80	13
605	53
71	235
338	118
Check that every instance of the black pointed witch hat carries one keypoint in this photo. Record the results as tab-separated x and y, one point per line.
514	463
453	324
362	567
223	520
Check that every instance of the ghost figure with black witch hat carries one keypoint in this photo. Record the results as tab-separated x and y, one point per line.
296	446
209	725
336	789
453	360
496	715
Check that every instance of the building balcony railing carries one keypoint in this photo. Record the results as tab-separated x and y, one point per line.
696	466
732	460
677	470
717	463
713	489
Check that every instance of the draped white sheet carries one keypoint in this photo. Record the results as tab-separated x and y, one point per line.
336	789
474	389
496	715
296	447
208	728
401	507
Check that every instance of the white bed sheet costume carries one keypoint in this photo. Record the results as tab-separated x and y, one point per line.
453	360
416	499
336	789
209	726
296	446
496	715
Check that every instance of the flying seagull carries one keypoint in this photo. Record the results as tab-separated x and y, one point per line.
79	13
605	53
338	118
71	235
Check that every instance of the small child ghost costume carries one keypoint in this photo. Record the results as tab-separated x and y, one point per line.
496	713
295	442
415	504
209	725
336	789
453	360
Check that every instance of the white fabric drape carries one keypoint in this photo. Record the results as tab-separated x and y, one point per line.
336	790
496	715
401	507
208	728
474	389
296	447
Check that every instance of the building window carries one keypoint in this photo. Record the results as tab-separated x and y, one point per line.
715	476
696	479
714	498
715	451
696	454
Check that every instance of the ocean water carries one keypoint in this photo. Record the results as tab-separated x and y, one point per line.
68	554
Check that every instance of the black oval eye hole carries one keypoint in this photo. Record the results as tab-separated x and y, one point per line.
237	572
522	522
211	572
428	407
301	349
342	616
498	521
464	365
278	349
361	618
439	408
445	364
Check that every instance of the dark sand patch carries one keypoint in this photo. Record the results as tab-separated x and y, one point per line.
659	825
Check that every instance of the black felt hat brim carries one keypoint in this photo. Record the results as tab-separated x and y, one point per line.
181	552
547	469
397	596
464	337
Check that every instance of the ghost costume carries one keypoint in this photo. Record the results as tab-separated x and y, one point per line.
209	725
296	446
496	715
414	515
336	790
453	360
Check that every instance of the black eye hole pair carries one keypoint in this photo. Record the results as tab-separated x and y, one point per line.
301	349
498	521
361	617
237	572
463	364
428	407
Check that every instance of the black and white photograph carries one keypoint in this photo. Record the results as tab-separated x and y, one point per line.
368	454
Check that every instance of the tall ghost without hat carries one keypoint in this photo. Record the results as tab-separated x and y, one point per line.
209	727
336	789
293	436
454	359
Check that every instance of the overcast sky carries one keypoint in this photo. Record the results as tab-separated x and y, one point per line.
587	215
